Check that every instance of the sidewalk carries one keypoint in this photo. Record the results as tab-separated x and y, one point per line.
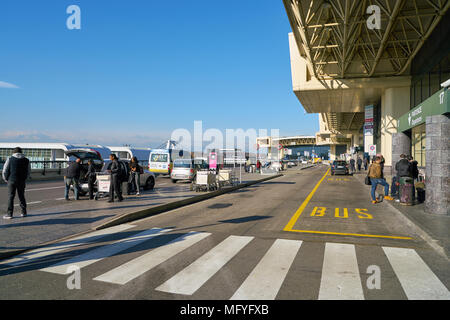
435	229
46	225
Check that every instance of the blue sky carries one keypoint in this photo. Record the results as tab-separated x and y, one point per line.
139	69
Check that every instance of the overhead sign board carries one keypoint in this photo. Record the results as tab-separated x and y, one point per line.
438	103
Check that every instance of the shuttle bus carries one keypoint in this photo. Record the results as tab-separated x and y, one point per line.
161	160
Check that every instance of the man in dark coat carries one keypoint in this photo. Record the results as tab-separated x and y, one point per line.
115	179
91	176
352	165
414	173
359	163
72	178
16	171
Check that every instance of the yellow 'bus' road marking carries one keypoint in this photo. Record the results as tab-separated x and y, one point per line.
296	216
304	204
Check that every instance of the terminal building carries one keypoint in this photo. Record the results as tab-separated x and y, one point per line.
376	73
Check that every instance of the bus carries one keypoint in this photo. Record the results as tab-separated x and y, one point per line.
161	160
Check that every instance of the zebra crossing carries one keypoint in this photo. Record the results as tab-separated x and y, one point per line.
340	275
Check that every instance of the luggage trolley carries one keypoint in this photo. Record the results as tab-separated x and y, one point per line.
103	183
205	180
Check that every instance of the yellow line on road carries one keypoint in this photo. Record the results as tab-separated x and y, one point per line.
296	216
304	204
351	234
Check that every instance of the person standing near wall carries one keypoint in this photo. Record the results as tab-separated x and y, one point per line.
16	171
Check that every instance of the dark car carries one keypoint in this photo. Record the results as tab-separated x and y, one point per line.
339	167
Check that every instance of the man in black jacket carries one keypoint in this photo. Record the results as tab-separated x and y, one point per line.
72	178
91	176
403	169
115	179
16	171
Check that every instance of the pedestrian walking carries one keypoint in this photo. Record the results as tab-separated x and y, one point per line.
72	178
366	163
135	176
359	163
352	165
16	171
115	172
375	175
91	176
258	166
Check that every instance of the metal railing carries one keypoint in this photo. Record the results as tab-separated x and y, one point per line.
44	166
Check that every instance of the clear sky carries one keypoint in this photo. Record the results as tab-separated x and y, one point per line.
138	69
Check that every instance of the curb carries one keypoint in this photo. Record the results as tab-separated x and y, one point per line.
417	229
128	217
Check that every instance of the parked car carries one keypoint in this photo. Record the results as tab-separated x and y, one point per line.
85	155
186	169
339	167
147	178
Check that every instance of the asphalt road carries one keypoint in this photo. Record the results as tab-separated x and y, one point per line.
307	235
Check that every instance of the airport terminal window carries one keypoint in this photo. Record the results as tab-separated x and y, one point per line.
31	154
425	85
418	140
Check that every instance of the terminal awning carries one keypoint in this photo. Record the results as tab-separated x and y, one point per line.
344	121
337	43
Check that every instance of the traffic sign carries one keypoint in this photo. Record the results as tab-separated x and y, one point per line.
372	149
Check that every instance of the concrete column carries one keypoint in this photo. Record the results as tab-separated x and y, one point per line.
332	152
437	157
401	143
394	103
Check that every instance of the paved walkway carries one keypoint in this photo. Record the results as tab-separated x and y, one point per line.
435	227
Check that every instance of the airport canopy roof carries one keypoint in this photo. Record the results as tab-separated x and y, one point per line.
337	41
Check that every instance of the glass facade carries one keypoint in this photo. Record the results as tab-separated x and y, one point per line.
426	84
320	151
429	69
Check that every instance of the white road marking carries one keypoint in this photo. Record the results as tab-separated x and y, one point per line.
39	253
34	202
340	274
266	279
48	188
146	262
195	275
95	255
416	278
